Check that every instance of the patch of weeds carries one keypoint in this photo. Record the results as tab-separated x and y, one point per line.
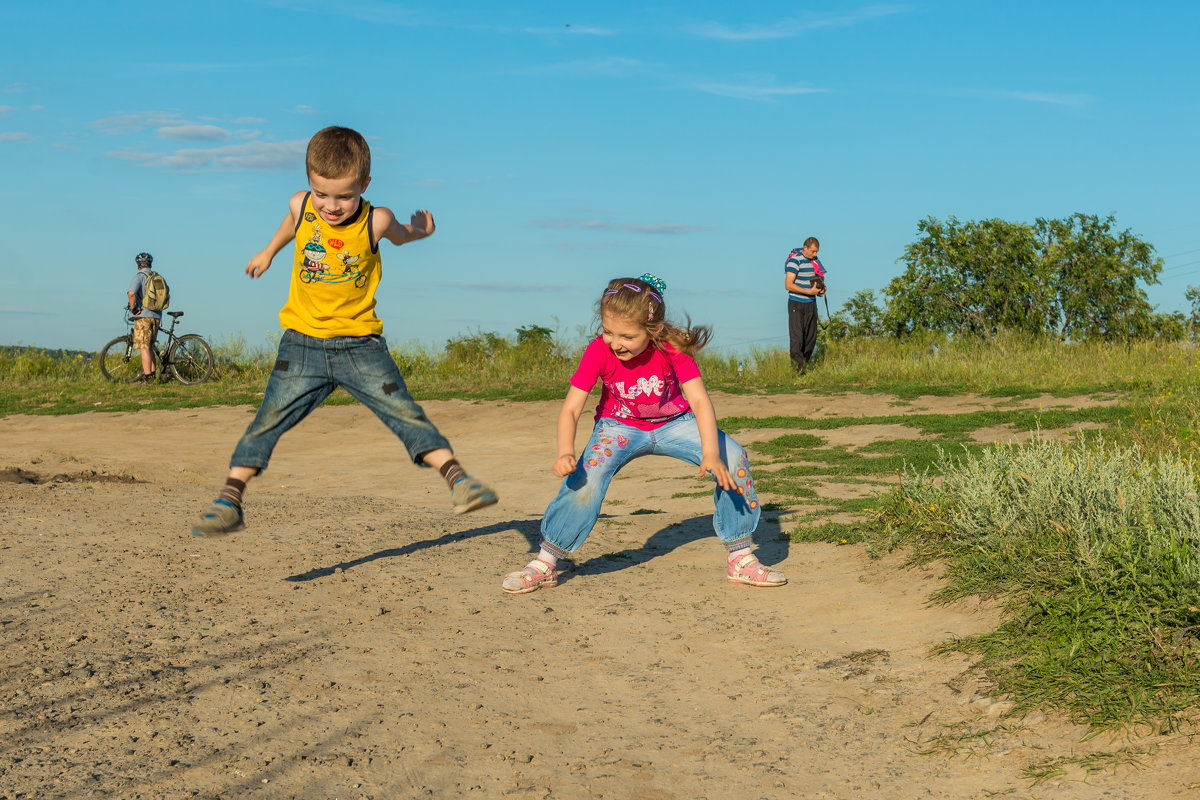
917	454
1015	392
705	493
617	557
1093	551
867	656
953	427
964	739
1090	763
646	511
829	533
791	441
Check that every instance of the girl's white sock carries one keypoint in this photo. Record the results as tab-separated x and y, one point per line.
736	554
548	558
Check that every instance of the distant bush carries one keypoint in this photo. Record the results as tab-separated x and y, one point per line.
475	348
34	362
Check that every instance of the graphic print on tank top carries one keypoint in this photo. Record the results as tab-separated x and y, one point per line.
313	266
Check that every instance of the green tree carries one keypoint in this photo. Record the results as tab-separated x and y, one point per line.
1077	278
859	317
968	278
1094	274
1192	295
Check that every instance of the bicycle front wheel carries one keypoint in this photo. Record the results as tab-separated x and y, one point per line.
120	361
191	359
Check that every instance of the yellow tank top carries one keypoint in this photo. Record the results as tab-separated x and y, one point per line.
335	272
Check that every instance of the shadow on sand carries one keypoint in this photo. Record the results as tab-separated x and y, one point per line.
772	546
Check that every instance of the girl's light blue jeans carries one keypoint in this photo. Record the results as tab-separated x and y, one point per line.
572	514
307	369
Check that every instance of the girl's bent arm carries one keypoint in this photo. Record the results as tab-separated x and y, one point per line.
568	421
706	420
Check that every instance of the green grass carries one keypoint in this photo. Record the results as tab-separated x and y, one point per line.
1002	366
957	427
487	366
1093	550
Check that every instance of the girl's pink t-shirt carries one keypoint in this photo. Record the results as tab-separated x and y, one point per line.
644	391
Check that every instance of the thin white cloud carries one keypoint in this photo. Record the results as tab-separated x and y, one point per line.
123	124
1050	98
794	26
570	30
248	121
619	227
256	157
755	92
15	88
194	133
759	88
14	136
10	310
305	109
6	110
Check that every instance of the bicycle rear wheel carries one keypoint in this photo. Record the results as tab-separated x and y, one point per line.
120	361
191	359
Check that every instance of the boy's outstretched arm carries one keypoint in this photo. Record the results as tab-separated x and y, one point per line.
568	420
261	261
396	232
706	420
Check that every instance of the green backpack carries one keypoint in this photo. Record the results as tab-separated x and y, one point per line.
157	294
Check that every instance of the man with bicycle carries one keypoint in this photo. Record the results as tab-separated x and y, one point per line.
145	321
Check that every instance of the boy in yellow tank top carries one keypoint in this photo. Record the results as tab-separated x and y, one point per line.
331	335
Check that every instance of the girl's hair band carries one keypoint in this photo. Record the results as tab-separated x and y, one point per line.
636	288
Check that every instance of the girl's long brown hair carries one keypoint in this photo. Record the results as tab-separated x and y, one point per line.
636	300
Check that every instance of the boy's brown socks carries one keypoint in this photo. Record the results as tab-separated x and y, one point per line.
231	492
452	471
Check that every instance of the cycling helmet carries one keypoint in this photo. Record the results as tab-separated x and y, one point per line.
144	258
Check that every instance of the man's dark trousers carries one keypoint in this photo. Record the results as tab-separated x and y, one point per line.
802	330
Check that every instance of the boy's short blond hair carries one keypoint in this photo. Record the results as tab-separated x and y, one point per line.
336	152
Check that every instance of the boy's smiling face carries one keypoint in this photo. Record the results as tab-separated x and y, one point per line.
336	199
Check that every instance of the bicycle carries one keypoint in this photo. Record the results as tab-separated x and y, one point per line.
189	357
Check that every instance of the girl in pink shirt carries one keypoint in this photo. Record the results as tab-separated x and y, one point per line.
652	402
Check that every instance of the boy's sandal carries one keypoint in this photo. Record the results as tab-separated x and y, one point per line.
536	575
750	571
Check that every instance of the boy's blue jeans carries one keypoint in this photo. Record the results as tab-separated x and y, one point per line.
572	514
307	369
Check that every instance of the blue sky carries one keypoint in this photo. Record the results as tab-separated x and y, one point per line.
559	145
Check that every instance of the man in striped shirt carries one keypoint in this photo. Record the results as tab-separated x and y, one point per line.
798	278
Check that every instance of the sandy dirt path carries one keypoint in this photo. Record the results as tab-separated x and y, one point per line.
353	641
